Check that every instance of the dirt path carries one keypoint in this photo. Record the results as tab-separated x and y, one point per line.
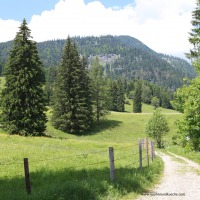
181	180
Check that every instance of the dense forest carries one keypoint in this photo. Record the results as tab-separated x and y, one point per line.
121	56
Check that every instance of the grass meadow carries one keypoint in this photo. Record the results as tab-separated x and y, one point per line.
64	166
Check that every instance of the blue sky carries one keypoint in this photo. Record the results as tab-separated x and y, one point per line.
20	9
112	3
163	25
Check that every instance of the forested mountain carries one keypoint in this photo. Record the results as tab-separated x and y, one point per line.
121	56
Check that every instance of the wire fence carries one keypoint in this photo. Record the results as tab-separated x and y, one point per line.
134	157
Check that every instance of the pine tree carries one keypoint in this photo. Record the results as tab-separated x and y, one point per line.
72	107
137	99
100	91
113	95
86	95
120	96
50	74
23	97
194	38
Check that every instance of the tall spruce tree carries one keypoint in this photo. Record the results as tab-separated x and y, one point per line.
137	99
113	95
100	90
50	74
22	101
86	94
120	96
72	110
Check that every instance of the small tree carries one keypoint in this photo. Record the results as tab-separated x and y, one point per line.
155	102
157	127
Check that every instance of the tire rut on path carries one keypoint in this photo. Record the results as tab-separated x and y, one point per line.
181	180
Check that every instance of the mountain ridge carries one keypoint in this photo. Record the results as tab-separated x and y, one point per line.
121	56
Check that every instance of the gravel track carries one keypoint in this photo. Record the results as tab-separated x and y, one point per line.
181	180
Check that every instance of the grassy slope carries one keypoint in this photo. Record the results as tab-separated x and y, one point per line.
57	172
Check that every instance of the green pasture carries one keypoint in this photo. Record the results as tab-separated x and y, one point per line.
64	166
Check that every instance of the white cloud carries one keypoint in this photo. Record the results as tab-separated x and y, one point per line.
8	29
160	24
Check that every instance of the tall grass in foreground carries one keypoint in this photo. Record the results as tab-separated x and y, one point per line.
71	169
77	167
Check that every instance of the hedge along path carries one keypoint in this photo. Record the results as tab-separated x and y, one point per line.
181	180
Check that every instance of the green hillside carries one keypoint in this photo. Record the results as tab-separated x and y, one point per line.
122	56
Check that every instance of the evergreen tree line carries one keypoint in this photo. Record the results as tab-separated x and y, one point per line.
118	90
148	92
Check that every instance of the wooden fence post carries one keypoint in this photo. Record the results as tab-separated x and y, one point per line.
151	151
27	176
112	166
140	153
147	150
142	143
154	154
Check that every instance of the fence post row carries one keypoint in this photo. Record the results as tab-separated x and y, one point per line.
141	146
112	166
27	176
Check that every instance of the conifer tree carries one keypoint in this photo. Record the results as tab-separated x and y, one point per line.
22	101
100	91
72	108
137	99
117	96
86	85
50	74
113	95
120	96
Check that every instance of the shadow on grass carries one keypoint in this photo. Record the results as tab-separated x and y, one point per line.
91	184
97	128
104	125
